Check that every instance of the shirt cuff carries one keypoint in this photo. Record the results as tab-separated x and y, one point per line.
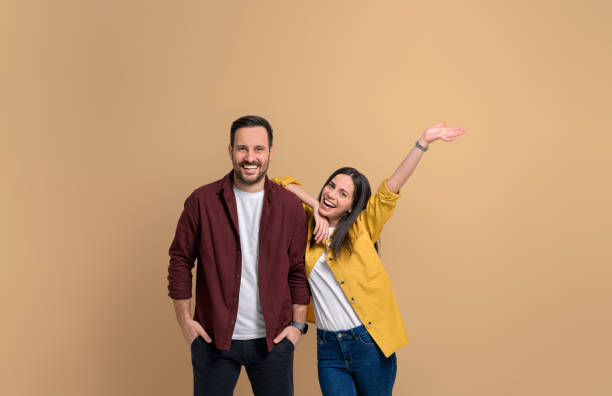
179	293
300	296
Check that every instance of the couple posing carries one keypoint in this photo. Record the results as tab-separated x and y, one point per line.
260	256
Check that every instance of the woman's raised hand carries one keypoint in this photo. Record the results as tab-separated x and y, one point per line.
440	131
431	134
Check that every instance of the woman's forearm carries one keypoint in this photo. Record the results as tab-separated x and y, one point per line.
405	169
301	193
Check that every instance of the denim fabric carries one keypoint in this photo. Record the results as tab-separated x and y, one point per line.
215	371
351	364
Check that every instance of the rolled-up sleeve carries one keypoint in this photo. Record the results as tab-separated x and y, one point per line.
183	251
298	283
378	210
285	180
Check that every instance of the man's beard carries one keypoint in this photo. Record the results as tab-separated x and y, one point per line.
262	172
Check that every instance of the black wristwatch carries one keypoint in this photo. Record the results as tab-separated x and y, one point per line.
302	327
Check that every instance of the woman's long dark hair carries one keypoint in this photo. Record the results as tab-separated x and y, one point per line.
340	240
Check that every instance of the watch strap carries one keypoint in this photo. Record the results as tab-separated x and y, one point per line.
302	327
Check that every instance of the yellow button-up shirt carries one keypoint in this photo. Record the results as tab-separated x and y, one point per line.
361	275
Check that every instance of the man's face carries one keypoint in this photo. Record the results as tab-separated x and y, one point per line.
250	154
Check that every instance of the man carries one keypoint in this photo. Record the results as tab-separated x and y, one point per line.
248	236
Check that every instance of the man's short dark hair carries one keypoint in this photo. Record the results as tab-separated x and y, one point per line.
250	121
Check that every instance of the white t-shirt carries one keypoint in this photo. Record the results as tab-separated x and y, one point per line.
250	322
332	310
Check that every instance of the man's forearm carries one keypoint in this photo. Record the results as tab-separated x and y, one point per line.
182	308
299	313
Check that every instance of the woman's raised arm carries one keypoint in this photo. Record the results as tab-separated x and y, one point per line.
431	134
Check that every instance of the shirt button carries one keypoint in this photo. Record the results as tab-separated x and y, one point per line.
331	258
237	275
233	321
352	299
342	281
369	324
235	298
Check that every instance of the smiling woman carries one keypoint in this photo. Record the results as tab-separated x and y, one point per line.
336	197
343	195
353	303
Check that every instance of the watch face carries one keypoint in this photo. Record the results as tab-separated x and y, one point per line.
303	327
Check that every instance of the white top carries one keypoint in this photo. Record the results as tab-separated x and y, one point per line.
250	322
332	310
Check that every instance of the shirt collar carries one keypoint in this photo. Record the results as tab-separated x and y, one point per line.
227	183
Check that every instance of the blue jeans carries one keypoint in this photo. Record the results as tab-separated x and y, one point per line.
350	364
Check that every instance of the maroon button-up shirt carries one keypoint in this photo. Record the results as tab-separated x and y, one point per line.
207	233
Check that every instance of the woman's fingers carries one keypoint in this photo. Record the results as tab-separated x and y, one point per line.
318	232
452	132
321	229
321	235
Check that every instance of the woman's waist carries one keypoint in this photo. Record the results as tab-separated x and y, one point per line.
355	332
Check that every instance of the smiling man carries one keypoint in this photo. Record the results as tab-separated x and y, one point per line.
247	237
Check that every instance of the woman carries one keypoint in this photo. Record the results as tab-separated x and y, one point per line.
359	327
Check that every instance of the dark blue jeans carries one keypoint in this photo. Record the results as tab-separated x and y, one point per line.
350	364
215	372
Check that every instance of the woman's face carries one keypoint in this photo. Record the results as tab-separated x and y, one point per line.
336	198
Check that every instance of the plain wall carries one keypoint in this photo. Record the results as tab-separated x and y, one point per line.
112	112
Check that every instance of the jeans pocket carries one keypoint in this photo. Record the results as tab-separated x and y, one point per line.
320	340
196	341
289	344
366	339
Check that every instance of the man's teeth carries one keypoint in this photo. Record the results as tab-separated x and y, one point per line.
249	166
331	205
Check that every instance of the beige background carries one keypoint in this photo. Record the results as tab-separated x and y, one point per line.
112	112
